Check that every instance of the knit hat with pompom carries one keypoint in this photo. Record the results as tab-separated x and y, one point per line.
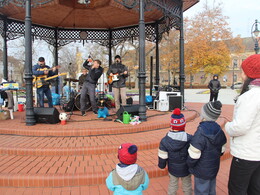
178	121
127	153
211	111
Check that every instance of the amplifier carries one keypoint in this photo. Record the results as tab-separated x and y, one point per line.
175	102
163	95
161	105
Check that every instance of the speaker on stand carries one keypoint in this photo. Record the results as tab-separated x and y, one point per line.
46	115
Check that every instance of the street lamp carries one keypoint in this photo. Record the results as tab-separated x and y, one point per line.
255	35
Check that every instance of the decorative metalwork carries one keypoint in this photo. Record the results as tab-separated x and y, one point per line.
16	29
255	35
84	2
21	3
129	4
171	10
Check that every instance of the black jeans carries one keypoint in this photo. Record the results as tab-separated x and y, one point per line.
244	177
213	96
88	88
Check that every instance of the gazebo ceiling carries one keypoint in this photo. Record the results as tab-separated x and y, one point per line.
99	14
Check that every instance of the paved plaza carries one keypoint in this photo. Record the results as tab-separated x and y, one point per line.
76	158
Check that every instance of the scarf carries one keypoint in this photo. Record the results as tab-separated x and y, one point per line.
255	82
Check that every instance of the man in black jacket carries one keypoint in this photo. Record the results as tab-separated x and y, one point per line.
119	87
89	85
214	86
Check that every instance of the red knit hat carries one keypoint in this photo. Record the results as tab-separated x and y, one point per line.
127	153
178	121
251	66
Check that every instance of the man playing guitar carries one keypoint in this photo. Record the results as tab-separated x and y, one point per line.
40	70
118	85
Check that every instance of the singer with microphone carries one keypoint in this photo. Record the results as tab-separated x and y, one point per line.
94	73
118	72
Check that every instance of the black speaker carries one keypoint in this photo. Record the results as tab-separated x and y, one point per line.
131	109
129	101
47	115
175	102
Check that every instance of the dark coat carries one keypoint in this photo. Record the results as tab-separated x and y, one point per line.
176	144
214	85
93	74
82	79
209	139
118	68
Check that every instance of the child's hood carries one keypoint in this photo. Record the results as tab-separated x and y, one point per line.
213	132
130	177
177	140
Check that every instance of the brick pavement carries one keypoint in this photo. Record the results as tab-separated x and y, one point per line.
79	156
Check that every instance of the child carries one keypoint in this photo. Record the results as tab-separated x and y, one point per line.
173	150
206	147
128	177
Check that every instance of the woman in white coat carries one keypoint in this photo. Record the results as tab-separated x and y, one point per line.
244	132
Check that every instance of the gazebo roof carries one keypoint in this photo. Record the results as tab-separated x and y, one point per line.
98	14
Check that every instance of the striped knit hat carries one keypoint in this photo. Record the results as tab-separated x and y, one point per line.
211	111
178	121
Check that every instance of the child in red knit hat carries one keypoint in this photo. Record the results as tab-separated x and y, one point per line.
173	151
128	177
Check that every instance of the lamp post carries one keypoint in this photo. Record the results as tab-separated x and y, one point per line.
255	35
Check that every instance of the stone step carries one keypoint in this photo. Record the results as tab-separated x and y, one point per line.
60	171
62	146
90	126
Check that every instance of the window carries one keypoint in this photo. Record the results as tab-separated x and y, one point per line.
235	78
235	63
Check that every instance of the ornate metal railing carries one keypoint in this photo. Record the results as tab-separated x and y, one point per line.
171	19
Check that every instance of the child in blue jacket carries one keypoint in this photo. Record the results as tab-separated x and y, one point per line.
206	147
173	151
128	177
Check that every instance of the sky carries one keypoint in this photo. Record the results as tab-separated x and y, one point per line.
242	14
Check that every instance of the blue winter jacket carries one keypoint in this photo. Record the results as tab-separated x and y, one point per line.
173	150
209	139
120	190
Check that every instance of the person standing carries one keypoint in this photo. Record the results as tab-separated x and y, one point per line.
244	130
118	85
214	86
40	71
206	147
83	77
173	151
94	73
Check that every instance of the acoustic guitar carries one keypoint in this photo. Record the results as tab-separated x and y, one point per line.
114	78
40	81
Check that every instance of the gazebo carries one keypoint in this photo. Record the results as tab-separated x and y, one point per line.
106	22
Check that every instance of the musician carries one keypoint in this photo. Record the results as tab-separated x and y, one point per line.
94	73
42	70
119	87
82	77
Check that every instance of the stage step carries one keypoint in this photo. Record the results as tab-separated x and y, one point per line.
89	126
59	171
41	156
